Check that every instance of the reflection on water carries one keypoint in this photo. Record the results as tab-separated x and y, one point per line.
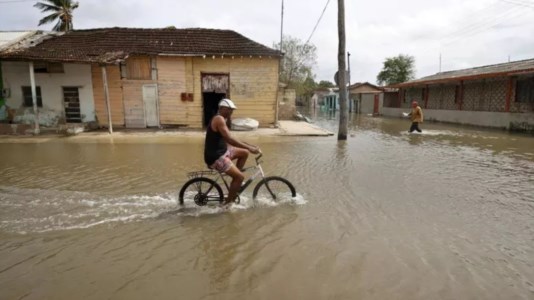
447	214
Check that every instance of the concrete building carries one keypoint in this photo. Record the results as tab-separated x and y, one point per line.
137	78
366	98
499	96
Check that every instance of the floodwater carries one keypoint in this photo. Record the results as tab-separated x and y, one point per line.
448	214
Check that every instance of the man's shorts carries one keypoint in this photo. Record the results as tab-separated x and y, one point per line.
224	163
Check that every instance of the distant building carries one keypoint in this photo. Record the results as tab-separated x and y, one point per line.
500	96
366	98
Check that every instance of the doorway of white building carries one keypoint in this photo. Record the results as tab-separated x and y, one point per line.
71	101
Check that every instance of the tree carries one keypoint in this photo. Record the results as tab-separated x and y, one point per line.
325	84
61	11
397	69
298	61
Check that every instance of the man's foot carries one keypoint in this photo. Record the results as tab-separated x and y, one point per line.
226	203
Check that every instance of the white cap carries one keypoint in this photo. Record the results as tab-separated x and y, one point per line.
227	103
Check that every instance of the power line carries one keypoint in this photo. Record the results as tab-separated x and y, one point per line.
319	20
484	26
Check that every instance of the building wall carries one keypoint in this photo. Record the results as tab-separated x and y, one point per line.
367	104
134	106
477	118
286	104
391	99
115	95
485	95
175	76
17	74
253	87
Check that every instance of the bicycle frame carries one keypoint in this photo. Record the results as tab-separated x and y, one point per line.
245	185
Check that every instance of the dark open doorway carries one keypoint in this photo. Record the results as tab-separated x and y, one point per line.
211	105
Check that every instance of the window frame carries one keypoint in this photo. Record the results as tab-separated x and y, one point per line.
522	84
27	94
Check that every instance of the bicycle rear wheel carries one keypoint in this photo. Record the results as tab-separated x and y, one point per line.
274	188
201	190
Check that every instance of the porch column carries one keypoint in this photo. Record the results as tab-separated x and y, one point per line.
106	96
461	95
427	92
509	92
36	129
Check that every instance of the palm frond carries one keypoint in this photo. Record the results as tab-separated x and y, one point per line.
58	26
49	19
46	7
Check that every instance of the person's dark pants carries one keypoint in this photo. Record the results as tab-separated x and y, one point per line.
415	126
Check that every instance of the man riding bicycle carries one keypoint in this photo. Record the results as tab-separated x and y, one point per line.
221	148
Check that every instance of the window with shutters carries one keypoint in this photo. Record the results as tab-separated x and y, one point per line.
27	96
138	68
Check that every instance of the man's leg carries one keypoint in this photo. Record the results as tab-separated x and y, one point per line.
417	127
412	128
235	185
241	155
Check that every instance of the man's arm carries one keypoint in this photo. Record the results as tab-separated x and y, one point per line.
220	126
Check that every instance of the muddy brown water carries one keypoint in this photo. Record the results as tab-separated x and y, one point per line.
448	214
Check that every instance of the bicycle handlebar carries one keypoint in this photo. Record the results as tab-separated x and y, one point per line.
258	157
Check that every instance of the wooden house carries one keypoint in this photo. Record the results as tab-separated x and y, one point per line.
137	78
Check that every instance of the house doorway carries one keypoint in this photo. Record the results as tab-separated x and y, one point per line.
211	105
71	100
150	100
214	88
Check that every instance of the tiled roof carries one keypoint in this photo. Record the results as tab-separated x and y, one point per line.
505	69
108	45
359	84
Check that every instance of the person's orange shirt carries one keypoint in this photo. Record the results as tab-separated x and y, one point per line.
417	114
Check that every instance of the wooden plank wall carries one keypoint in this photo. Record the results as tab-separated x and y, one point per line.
134	109
171	84
115	95
253	87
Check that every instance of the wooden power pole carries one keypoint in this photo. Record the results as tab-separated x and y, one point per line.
342	73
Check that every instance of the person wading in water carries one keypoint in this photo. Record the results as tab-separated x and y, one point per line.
416	115
221	148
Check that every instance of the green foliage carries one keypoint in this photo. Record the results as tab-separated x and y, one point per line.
307	88
325	84
297	64
61	12
397	69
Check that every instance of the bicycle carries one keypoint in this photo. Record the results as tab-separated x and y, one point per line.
202	189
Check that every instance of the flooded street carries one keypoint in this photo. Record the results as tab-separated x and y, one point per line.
448	214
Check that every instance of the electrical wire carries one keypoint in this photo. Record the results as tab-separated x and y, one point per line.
316	24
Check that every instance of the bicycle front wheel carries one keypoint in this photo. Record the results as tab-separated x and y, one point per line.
274	188
201	190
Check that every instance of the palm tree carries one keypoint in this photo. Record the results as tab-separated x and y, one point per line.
61	11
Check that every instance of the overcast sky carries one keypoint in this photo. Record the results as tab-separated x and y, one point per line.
467	33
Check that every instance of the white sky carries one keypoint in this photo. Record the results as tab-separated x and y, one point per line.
467	33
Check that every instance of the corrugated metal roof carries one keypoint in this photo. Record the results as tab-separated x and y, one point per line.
497	70
109	45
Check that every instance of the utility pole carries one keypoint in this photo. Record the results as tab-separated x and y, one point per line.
351	108
280	66
342	73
